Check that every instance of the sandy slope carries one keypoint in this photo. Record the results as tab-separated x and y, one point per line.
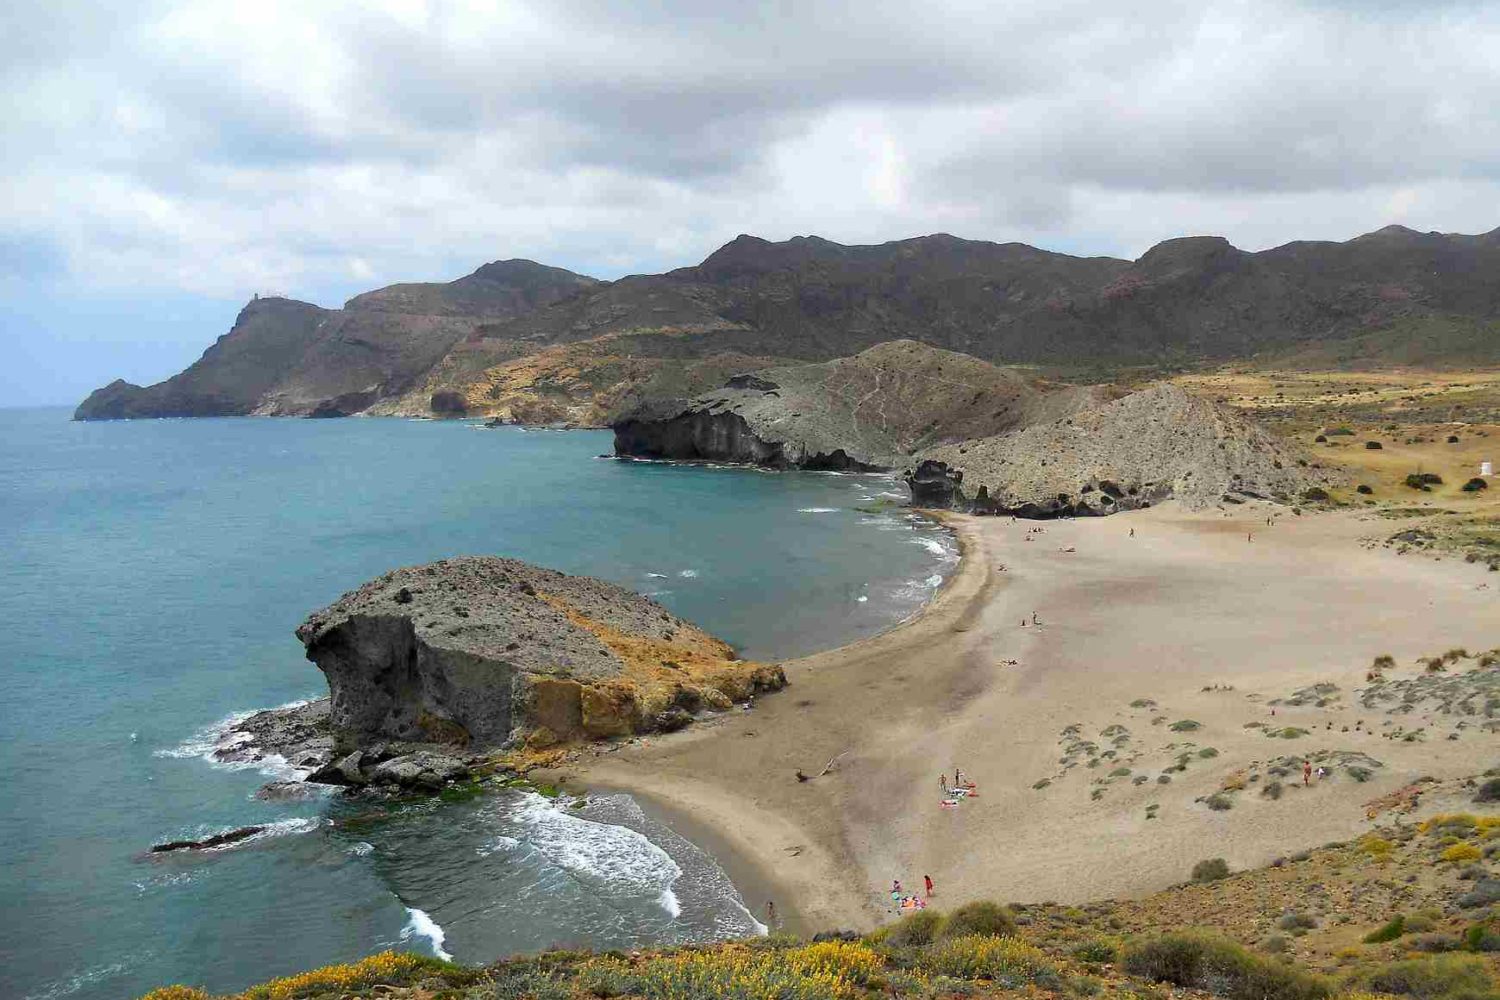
1186	603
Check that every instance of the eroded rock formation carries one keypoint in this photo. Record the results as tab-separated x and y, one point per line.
481	652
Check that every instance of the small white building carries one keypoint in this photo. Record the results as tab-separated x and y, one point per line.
1486	468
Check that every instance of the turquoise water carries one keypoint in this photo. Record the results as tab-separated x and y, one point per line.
153	574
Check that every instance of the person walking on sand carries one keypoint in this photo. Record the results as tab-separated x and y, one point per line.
1132	532
927	883
943	782
770	913
1306	772
1034	620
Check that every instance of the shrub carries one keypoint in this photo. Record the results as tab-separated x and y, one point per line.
1389	931
1435	943
1097	951
387	967
915	929
1271	790
1362	488
176	993
607	979
1210	870
1204	961
1219	802
1433	978
828	970
1295	921
1489	791
1475	485
1460	853
981	919
980	957
1185	726
1373	445
1420	922
1208	753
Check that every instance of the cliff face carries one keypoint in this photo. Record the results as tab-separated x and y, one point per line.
1148	446
484	652
871	411
284	357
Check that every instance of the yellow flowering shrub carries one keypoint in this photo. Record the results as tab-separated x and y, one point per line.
829	970
981	957
1462	852
386	967
1374	845
176	993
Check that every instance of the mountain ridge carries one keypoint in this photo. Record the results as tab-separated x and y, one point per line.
434	348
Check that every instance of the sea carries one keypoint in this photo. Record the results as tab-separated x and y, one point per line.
153	573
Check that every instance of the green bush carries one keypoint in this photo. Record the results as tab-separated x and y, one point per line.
1096	951
983	918
915	929
1204	961
1390	931
1437	977
1012	962
1489	791
1211	870
1219	802
599	979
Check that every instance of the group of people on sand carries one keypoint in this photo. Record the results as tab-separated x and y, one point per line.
905	903
958	789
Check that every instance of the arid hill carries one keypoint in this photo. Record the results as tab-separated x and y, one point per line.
1156	444
871	411
484	345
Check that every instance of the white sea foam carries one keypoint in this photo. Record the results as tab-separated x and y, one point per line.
935	580
687	573
657	576
932	545
817	510
500	843
77	981
360	849
861	598
420	925
224	736
670	904
612	859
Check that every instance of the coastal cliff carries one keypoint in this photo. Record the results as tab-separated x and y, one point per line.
867	412
484	652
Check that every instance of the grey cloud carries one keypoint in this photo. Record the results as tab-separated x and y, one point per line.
333	147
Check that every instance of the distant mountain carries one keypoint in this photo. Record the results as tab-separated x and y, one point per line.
284	357
517	338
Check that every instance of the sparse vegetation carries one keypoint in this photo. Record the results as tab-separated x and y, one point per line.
982	918
1210	870
1199	960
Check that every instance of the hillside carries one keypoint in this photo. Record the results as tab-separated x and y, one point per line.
289	358
1391	296
1402	912
871	411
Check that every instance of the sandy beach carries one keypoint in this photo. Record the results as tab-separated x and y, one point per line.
1164	637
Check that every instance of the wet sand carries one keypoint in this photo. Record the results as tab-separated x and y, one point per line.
1199	616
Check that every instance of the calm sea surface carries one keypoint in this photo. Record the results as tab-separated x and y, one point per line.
152	574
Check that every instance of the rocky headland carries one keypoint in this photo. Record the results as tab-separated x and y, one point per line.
868	412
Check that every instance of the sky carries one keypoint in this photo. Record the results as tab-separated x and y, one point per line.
162	162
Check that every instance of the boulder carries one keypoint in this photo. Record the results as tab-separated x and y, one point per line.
420	770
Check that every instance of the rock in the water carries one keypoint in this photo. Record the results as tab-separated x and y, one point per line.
217	840
420	770
478	652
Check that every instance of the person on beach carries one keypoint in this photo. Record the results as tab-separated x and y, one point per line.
943	782
770	913
1306	773
1034	620
927	883
958	778
1132	532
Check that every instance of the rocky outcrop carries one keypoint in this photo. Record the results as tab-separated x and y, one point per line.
288	358
1159	443
484	652
868	412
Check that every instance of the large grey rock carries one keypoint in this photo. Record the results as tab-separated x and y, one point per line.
422	769
478	651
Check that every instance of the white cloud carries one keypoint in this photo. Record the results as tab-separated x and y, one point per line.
218	148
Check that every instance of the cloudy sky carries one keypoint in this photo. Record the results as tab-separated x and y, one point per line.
162	161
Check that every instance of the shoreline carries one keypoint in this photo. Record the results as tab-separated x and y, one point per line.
1187	617
774	851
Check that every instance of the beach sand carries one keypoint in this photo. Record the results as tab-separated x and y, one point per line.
1188	619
